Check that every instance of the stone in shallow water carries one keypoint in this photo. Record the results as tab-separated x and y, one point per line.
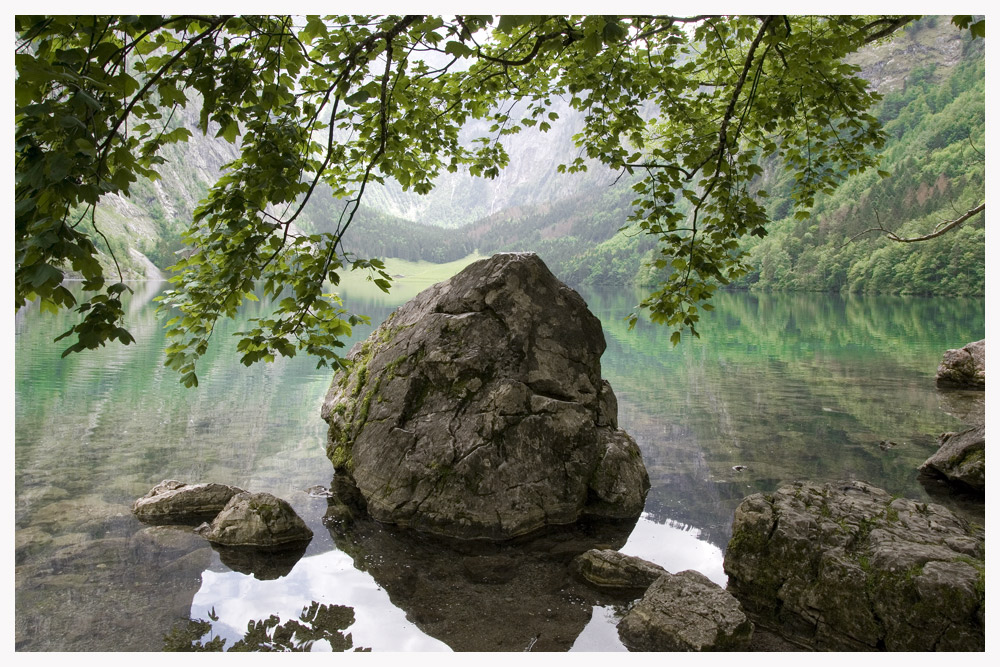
964	368
846	566
256	520
477	410
961	459
171	501
607	568
686	611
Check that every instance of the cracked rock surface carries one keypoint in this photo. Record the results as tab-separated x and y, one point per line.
686	612
964	368
477	409
960	459
171	501
846	566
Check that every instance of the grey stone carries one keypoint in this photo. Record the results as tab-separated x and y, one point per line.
960	459
964	368
171	501
607	568
846	566
477	410
256	520
686	612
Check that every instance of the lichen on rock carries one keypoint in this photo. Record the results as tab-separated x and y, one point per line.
256	520
686	612
960	459
477	409
846	566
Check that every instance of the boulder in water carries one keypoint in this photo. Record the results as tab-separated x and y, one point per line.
846	566
176	502
256	520
477	409
686	611
960	460
964	368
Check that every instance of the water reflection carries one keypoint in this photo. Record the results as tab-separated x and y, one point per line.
676	547
320	627
477	596
779	387
263	564
329	578
466	596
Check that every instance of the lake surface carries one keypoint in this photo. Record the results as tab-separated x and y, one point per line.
778	387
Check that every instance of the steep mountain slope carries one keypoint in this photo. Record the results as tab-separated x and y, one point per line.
935	118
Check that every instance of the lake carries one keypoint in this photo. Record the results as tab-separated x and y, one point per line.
778	387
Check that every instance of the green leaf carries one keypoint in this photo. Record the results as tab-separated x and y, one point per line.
230	132
508	22
358	98
458	49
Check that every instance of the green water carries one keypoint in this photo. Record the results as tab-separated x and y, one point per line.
778	387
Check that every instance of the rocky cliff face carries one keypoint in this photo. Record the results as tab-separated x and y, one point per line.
934	40
477	410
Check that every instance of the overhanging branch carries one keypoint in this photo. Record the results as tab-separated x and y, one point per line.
941	229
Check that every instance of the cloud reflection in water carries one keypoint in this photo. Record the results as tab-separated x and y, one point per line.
331	578
328	578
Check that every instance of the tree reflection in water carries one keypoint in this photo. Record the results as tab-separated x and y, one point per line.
317	623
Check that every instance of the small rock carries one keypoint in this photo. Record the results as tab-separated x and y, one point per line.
964	368
686	612
258	520
171	501
960	459
608	568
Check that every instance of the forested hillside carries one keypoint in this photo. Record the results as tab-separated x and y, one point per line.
933	80
935	158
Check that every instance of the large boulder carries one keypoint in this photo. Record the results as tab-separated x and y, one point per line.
176	502
686	611
477	409
960	459
964	368
257	520
846	566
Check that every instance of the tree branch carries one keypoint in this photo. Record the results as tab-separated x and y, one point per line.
941	229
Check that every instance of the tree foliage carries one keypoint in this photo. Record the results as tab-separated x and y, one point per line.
688	105
860	239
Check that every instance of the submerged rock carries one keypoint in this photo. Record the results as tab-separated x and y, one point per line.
607	568
846	566
960	459
171	501
477	409
256	520
964	368
686	611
